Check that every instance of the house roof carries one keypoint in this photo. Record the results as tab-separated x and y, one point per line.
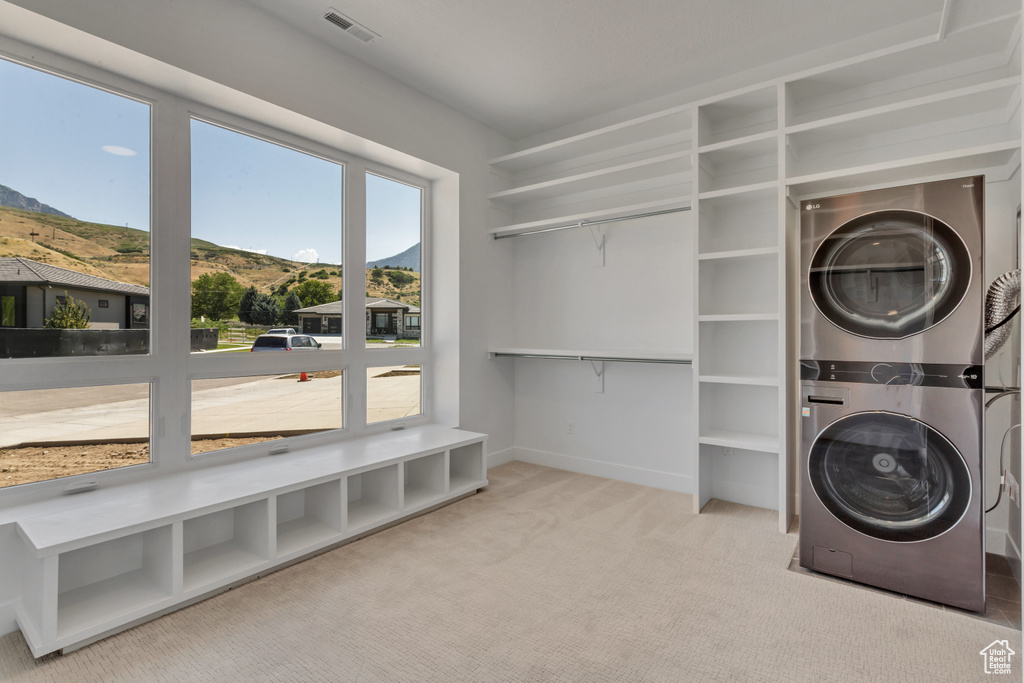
335	307
27	271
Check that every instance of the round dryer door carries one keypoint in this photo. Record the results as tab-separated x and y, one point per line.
889	476
889	274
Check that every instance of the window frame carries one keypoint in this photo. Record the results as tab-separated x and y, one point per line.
169	367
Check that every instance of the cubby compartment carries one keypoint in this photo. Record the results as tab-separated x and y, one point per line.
308	516
980	122
962	59
738	168
220	545
739	285
672	124
740	416
113	579
424	480
740	221
465	466
372	496
732	118
740	475
743	352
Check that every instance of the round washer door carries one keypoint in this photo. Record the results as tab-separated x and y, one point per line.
889	476
889	274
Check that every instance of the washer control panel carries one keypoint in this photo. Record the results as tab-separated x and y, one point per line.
912	374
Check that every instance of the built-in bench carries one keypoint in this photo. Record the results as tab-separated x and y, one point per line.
123	555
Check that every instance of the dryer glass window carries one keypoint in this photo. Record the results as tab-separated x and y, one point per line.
889	476
890	274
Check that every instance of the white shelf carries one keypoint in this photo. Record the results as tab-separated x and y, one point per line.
302	533
747	166
95	605
596	355
997	160
744	440
961	59
589	216
366	513
752	380
215	564
109	568
743	145
757	252
754	188
372	497
740	116
633	172
969	100
673	121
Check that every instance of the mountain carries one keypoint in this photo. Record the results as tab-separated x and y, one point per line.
410	258
17	200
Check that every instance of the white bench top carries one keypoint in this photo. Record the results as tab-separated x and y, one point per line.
95	516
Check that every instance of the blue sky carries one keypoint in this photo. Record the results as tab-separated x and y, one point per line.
85	152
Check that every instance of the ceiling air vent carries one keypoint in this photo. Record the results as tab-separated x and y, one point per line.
358	30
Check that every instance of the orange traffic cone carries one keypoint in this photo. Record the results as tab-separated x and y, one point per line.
304	377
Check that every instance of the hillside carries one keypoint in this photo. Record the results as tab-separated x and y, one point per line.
410	258
122	254
17	200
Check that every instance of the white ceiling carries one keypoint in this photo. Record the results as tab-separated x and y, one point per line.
527	66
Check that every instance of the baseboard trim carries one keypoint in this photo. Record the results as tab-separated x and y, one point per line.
608	470
501	457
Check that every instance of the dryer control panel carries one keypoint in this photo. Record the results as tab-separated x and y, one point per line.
912	374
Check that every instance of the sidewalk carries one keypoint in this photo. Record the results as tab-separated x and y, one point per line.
234	406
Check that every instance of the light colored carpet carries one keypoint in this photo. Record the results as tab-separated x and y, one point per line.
545	576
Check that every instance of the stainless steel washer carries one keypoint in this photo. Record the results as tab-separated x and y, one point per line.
892	474
895	274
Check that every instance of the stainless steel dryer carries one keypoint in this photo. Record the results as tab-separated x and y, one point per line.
892	473
895	274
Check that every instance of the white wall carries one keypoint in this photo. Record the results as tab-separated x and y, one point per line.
235	45
638	429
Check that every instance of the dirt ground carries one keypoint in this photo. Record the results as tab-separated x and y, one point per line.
24	465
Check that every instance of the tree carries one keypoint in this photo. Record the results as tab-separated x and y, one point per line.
215	296
315	292
70	314
291	304
245	305
376	275
399	278
265	310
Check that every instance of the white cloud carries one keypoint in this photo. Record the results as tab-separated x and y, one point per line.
119	151
307	256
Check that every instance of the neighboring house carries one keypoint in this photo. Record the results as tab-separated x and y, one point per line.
29	290
383	317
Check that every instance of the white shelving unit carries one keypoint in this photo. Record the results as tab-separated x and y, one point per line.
91	570
739	405
924	110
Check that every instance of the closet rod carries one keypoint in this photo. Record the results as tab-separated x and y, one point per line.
609	359
585	224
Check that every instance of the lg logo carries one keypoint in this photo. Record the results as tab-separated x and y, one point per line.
812	207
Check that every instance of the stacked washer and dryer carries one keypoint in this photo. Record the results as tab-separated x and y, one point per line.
892	346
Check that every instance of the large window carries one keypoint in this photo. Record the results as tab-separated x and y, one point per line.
74	218
263	223
394	234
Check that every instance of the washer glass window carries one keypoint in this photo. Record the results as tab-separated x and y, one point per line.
889	476
889	274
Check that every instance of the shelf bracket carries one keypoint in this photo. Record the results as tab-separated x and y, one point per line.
598	385
597	232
